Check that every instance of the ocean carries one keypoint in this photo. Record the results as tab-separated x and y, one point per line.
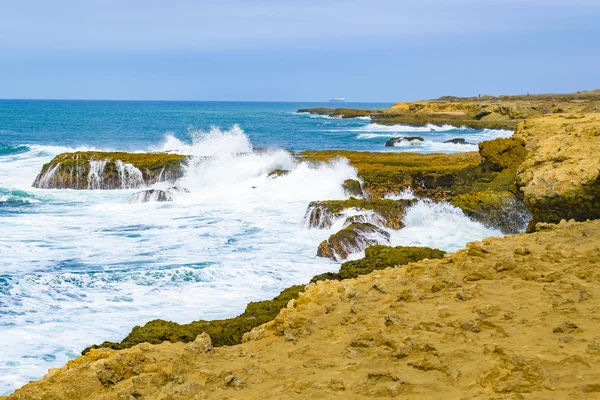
79	267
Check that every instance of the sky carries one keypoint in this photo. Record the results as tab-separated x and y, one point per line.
311	50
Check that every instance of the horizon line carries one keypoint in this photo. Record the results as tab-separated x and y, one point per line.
194	101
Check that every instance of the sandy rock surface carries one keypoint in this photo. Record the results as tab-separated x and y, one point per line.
560	177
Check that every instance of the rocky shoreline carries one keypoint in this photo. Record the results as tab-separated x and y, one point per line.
504	112
402	320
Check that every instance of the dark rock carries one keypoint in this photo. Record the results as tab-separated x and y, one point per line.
392	142
278	172
352	239
458	141
158	195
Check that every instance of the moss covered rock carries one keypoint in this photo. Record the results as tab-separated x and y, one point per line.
352	239
222	332
501	210
500	154
388	213
392	172
109	170
352	187
381	257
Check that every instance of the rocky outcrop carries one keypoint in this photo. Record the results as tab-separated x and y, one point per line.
500	154
502	210
410	140
511	317
457	141
560	178
156	195
352	188
352	239
379	212
109	170
391	172
493	198
221	332
380	257
503	112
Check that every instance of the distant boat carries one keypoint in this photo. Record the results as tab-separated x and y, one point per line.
338	100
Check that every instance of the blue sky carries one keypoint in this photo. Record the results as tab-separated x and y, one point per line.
376	50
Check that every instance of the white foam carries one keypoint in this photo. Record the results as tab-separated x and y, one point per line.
214	142
406	194
130	176
439	225
429	146
389	130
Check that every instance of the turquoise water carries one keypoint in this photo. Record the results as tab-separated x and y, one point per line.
81	267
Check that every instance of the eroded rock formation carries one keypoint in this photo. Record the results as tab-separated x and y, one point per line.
352	239
109	170
379	212
560	178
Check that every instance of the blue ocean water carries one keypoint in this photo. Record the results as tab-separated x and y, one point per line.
134	125
81	267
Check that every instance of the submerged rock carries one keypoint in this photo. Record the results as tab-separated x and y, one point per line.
380	212
109	170
352	239
397	140
458	141
156	195
278	172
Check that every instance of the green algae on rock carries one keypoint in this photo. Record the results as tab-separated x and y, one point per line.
353	188
109	170
501	210
389	213
380	257
500	154
383	173
222	332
